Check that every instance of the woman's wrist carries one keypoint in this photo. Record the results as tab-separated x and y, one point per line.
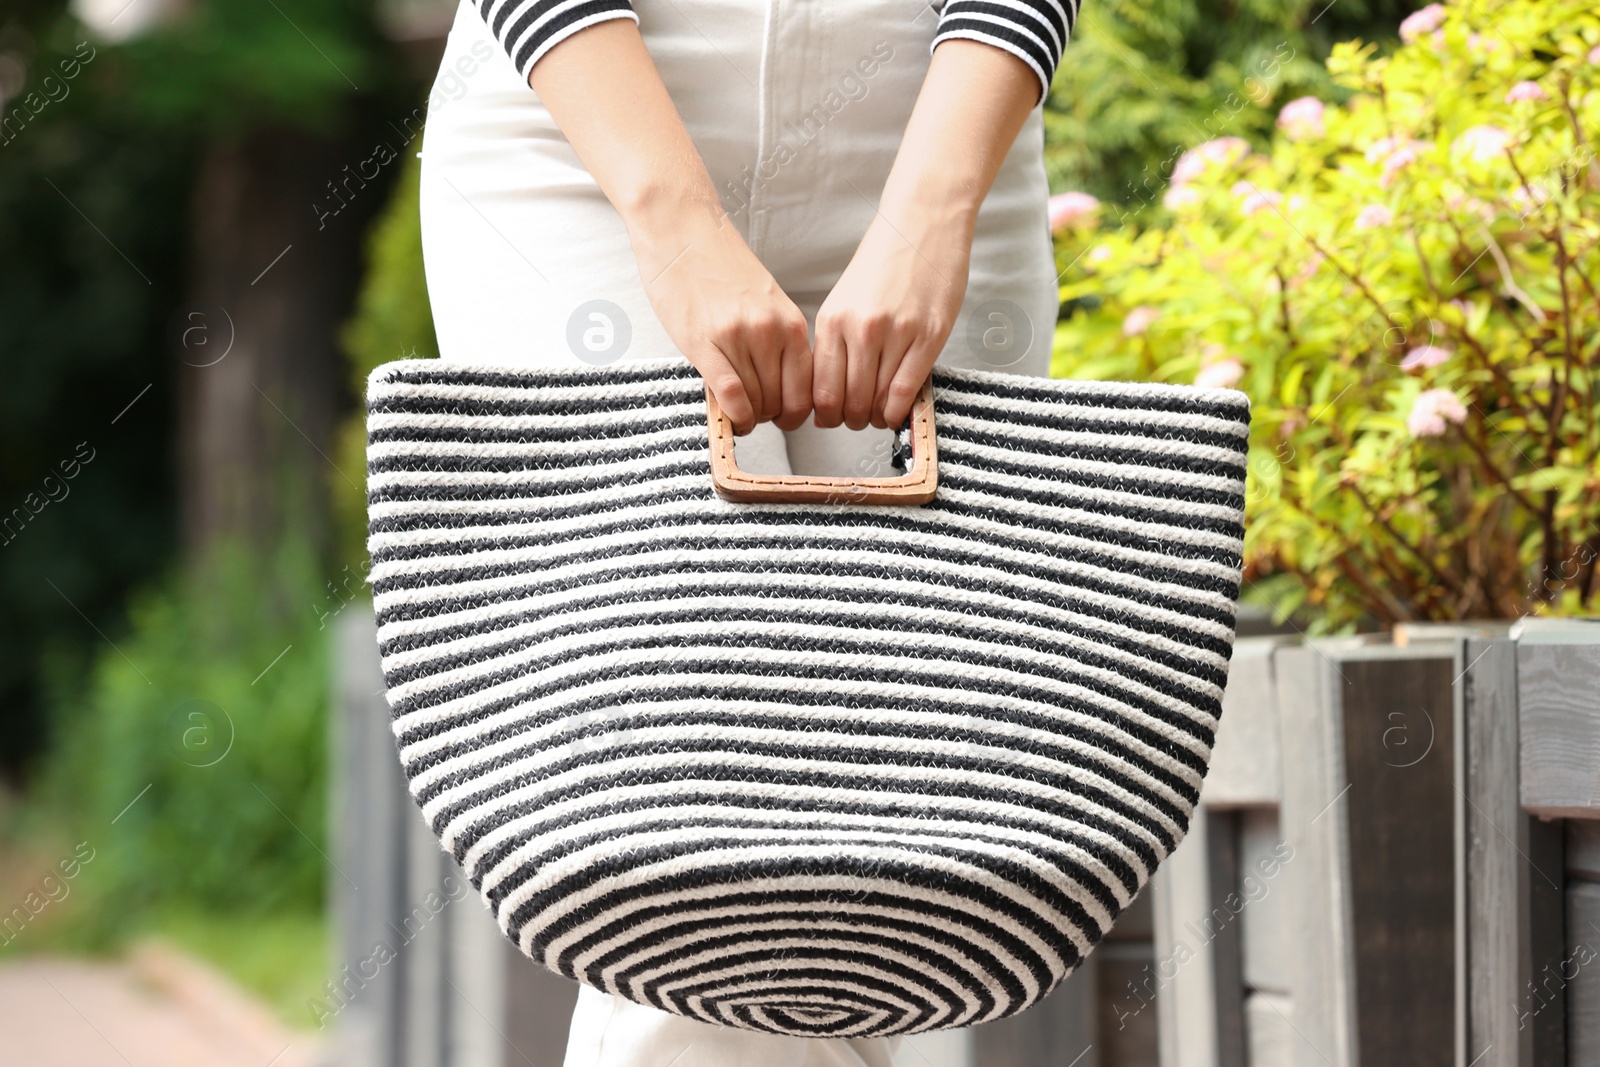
933	197
931	216
663	209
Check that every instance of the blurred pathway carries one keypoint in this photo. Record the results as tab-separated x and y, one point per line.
157	1008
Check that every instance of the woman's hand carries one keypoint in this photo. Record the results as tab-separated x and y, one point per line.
719	305
883	326
725	312
887	319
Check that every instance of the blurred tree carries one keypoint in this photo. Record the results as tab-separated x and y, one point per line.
180	224
90	266
289	102
1143	80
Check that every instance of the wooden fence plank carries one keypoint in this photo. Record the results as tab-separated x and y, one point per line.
1245	762
426	1000
1316	879
1367	732
476	963
1560	728
1583	849
1267	941
1580	970
539	1006
368	815
1198	1009
1492	956
1512	877
1269	1019
1061	1029
1397	717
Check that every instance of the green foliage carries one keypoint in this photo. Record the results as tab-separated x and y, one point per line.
392	320
1144	79
1406	287
225	66
194	761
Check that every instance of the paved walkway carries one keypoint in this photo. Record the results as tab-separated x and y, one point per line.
156	1008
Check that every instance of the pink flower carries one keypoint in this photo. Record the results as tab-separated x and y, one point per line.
1179	197
1461	202
1431	410
1308	271
1222	375
1221	151
1526	198
1526	91
1071	209
1482	143
1139	320
1380	148
1403	156
1374	215
1426	356
1302	118
1252	199
1594	55
1393	153
1427	20
1218	369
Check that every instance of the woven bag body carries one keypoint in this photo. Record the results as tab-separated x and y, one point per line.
837	770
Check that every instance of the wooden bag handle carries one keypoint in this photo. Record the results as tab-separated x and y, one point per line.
916	487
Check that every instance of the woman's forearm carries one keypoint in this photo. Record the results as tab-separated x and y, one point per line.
605	94
716	301
973	102
891	312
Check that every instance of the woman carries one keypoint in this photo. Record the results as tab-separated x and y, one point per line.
812	202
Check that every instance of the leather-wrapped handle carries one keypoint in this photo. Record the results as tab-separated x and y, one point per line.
917	486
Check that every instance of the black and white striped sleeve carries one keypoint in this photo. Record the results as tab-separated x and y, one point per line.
527	29
1035	31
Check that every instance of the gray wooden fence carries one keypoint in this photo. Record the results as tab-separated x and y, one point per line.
1396	861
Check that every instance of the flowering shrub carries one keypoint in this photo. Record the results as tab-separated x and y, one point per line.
1406	287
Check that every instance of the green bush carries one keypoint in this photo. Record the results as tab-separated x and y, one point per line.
193	760
1406	287
392	320
1144	79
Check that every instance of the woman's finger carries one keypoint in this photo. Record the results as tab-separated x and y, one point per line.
797	378
726	385
828	373
766	340
863	349
730	341
907	380
895	347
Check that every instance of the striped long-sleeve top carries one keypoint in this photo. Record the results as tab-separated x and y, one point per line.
1034	31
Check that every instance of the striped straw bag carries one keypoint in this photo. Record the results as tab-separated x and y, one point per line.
812	756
